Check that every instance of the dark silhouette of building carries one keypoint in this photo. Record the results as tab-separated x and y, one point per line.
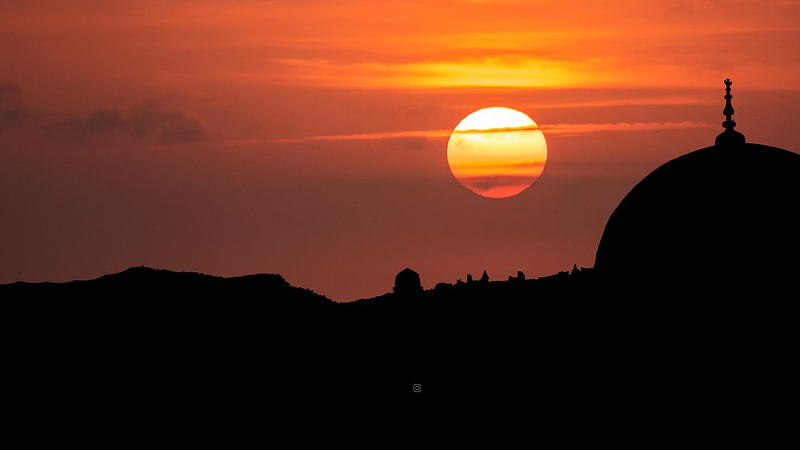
407	282
718	218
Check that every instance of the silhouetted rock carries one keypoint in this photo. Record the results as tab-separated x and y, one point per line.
520	278
407	282
484	277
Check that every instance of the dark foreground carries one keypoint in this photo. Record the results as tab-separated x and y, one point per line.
181	343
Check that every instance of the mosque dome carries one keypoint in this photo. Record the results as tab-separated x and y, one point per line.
722	214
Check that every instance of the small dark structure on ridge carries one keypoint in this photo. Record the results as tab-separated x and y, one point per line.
407	282
722	216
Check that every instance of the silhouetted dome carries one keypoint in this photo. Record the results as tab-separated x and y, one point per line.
720	217
407	282
727	211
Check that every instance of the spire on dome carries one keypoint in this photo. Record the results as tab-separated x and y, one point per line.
729	136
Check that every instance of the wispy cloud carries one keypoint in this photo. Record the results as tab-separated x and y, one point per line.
497	129
520	71
564	129
620	102
589	128
426	134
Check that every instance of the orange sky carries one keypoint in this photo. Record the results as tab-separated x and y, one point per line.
309	138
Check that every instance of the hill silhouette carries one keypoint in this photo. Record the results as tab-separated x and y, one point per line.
146	334
144	283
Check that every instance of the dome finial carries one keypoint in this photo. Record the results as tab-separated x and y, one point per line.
729	136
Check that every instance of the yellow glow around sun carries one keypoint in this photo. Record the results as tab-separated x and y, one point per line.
497	152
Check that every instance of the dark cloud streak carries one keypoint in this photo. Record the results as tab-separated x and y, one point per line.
147	121
10	105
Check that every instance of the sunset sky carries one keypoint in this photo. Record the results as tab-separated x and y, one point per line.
309	138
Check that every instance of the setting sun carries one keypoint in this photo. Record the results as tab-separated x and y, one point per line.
497	152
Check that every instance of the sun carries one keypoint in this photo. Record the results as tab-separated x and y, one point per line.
497	152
